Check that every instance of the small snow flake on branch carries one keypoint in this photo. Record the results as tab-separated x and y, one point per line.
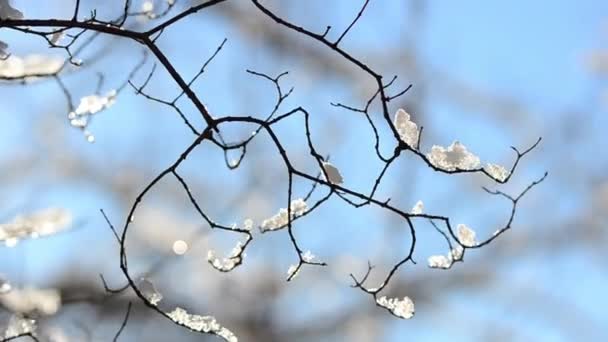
446	262
88	106
466	235
455	157
402	308
229	263
206	324
407	129
418	208
498	172
308	256
439	261
279	220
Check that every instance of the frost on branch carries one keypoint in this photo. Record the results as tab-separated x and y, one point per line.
407	129
446	262
32	300
279	220
456	156
439	261
418	208
229	263
42	223
333	174
308	256
88	106
19	325
497	171
294	270
28	67
206	324
402	308
149	291
466	235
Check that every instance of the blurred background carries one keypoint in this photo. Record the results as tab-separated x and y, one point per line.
491	75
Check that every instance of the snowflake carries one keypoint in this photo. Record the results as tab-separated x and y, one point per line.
403	308
407	129
454	157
